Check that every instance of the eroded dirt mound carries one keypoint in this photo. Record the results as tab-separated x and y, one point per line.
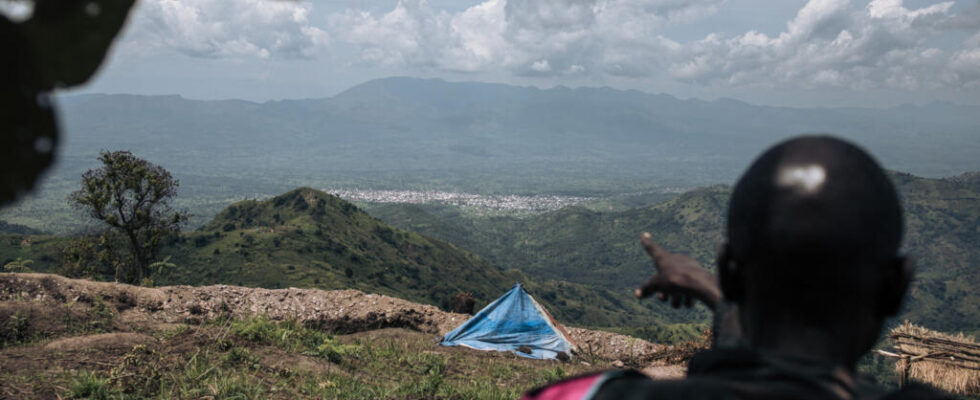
340	311
102	341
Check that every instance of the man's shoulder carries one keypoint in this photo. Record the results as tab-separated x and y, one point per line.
637	386
632	385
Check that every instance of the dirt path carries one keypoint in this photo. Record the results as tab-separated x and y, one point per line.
339	311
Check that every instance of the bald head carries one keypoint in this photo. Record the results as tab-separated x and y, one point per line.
814	200
814	228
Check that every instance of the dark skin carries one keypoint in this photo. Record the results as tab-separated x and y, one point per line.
679	279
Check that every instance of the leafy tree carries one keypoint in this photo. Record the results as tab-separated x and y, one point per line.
19	265
132	197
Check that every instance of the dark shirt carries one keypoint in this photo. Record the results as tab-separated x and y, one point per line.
746	374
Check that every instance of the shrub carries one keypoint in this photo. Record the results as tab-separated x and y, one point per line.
17	329
201	241
462	303
87	385
255	329
241	356
19	265
100	317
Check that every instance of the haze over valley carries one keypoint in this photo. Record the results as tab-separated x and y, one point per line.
407	134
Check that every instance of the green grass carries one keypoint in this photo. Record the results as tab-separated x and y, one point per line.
231	361
87	385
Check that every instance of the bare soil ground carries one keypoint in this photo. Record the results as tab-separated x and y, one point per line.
337	311
53	326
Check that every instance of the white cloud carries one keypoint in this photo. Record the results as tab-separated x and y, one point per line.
831	43
16	10
541	66
834	43
828	43
226	29
965	64
535	37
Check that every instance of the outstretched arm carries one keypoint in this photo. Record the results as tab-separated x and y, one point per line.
679	278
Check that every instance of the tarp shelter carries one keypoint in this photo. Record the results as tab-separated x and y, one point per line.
514	322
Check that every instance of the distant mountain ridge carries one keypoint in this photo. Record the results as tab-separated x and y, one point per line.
483	138
402	127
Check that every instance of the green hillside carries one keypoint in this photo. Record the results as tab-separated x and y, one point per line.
601	248
575	243
306	238
310	239
6	227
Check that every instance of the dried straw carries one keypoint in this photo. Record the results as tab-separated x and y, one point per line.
948	362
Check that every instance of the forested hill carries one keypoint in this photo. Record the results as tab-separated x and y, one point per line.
601	248
309	239
15	228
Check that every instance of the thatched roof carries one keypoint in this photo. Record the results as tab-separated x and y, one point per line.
949	362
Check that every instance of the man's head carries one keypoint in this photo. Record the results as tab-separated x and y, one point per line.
814	228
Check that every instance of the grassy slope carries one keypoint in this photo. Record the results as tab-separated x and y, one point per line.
943	232
95	353
6	227
575	243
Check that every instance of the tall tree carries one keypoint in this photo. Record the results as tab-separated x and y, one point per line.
132	197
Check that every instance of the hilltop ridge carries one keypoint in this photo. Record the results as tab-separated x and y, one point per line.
73	338
308	238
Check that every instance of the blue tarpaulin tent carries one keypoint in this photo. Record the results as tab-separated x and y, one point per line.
514	322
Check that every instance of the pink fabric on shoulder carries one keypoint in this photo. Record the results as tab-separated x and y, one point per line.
573	389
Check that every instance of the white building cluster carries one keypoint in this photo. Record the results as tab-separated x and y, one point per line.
535	203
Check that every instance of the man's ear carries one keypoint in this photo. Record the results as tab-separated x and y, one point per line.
729	274
895	280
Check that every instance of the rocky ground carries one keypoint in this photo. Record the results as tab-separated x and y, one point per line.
58	316
338	311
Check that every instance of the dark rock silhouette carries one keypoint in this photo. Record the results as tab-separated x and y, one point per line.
61	45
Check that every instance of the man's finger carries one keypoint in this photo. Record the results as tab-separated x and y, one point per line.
648	288
652	248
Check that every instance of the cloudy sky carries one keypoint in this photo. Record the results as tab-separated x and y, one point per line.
817	52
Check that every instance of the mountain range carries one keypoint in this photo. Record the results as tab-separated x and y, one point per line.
491	137
482	138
